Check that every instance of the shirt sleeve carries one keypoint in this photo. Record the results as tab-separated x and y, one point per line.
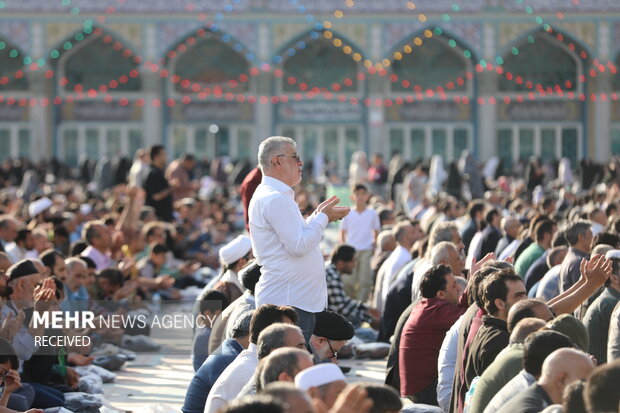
24	344
147	271
613	342
446	364
214	405
297	236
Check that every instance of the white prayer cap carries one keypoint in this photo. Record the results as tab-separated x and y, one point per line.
235	249
319	375
86	209
596	228
38	206
613	255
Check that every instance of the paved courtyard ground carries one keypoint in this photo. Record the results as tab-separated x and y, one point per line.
157	382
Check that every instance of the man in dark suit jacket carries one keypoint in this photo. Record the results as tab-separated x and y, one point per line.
491	234
476	209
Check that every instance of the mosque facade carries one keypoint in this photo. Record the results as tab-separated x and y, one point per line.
505	78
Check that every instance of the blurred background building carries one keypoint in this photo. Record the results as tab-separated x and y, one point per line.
509	78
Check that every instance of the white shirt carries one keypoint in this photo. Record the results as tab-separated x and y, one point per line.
137	173
23	342
15	252
474	249
445	365
228	386
509	250
287	248
102	261
516	385
613	342
360	227
387	274
418	273
232	277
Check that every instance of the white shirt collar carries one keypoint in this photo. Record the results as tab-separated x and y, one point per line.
276	184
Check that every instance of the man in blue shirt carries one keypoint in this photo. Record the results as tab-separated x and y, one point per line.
211	306
215	364
76	294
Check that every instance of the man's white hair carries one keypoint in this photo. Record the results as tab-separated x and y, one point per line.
508	221
442	232
441	252
73	262
269	147
384	237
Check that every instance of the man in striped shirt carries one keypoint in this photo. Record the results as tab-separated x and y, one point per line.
343	261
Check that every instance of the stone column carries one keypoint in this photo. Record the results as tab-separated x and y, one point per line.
599	144
41	117
485	143
152	117
263	112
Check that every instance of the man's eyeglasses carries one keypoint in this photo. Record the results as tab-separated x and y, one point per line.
295	157
334	353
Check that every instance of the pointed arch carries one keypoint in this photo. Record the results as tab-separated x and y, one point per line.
96	59
12	76
432	58
320	59
543	59
207	58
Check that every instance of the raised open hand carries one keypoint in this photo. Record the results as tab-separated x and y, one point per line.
329	207
596	270
476	265
44	295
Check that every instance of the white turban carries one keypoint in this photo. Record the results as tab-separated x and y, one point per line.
319	375
235	249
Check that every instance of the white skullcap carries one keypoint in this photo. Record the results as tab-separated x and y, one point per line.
319	375
613	255
86	209
596	228
38	206
235	249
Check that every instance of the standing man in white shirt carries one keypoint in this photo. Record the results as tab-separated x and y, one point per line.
359	229
406	235
284	244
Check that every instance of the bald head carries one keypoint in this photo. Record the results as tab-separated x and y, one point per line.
601	249
561	368
524	328
565	360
